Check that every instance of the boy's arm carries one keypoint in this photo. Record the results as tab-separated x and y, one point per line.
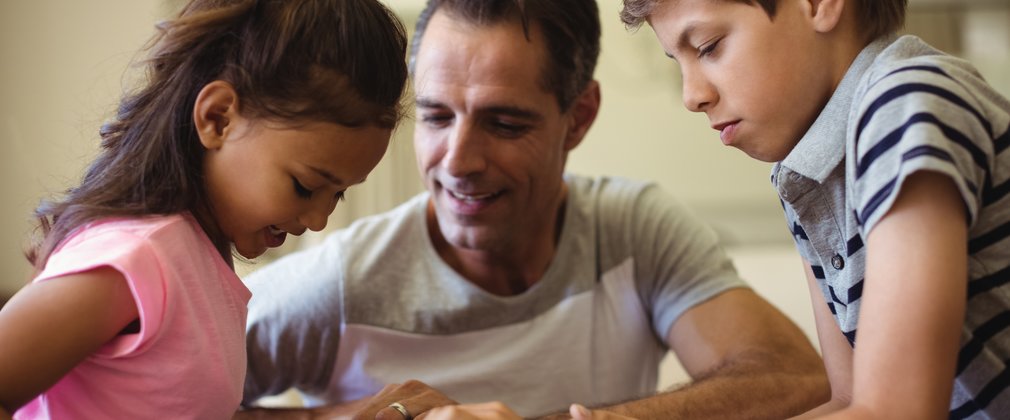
913	305
835	350
748	361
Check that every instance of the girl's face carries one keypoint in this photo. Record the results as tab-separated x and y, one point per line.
266	180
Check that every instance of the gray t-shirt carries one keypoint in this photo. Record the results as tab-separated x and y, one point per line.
374	304
904	107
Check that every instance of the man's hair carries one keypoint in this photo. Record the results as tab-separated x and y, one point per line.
876	17
571	29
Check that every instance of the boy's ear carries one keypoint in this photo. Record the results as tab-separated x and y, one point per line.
582	114
825	15
215	112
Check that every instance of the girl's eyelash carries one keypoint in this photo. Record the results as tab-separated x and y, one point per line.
340	196
300	189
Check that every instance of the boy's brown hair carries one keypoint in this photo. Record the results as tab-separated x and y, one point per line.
877	17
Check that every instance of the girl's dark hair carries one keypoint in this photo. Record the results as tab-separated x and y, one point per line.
290	61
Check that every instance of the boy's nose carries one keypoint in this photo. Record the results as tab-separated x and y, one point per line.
699	95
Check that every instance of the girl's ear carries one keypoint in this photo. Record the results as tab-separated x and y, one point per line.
214	113
825	15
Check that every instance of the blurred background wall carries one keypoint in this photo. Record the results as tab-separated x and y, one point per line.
65	64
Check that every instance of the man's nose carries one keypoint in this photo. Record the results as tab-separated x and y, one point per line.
465	149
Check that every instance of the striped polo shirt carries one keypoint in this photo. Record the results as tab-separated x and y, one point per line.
904	107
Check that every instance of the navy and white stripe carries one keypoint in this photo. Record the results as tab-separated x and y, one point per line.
909	108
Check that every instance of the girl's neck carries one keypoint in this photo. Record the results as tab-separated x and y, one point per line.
205	217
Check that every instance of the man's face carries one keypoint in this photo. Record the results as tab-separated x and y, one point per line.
761	81
490	140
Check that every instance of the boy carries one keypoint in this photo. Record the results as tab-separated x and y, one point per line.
892	168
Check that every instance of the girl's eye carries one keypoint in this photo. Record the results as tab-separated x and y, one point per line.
300	189
708	49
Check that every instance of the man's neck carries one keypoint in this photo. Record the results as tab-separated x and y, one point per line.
510	269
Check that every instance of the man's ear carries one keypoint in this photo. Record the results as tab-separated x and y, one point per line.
215	112
582	114
825	15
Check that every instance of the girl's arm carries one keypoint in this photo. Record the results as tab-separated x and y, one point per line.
49	327
913	305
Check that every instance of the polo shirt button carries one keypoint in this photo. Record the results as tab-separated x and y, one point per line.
838	262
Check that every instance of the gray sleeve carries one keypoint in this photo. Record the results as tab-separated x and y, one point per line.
679	262
293	329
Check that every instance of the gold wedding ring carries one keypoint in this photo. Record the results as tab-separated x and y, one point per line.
403	411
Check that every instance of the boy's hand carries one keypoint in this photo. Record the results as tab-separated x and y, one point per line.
580	412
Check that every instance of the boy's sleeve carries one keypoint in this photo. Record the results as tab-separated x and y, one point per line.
918	118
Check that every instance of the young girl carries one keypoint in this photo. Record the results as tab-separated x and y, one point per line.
255	117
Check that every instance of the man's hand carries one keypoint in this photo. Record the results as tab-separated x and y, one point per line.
416	397
483	411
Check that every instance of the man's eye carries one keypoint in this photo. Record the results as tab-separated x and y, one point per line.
436	120
509	130
300	189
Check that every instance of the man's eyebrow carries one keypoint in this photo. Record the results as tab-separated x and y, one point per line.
510	110
325	174
427	103
513	111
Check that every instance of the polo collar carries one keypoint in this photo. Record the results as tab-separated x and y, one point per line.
822	148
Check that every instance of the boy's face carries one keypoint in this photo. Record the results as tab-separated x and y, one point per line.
761	81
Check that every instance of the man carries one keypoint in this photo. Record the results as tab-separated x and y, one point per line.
510	280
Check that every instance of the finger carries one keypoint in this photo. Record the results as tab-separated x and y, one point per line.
391	413
580	412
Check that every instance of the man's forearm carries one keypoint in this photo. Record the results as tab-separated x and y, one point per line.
750	386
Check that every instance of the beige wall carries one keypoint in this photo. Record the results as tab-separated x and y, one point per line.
64	61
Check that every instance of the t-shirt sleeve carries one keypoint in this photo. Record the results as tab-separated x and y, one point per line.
917	117
294	324
132	256
679	262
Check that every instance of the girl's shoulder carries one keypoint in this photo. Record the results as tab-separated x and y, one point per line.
135	227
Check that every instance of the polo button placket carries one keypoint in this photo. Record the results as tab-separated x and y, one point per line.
838	262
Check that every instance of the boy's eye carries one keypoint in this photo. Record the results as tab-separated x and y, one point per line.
708	49
300	189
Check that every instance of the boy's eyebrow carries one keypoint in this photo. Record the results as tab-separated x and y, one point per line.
684	41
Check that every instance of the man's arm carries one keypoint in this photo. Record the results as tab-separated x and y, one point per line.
913	305
748	361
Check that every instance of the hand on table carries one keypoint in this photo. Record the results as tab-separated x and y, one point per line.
484	411
579	412
414	396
